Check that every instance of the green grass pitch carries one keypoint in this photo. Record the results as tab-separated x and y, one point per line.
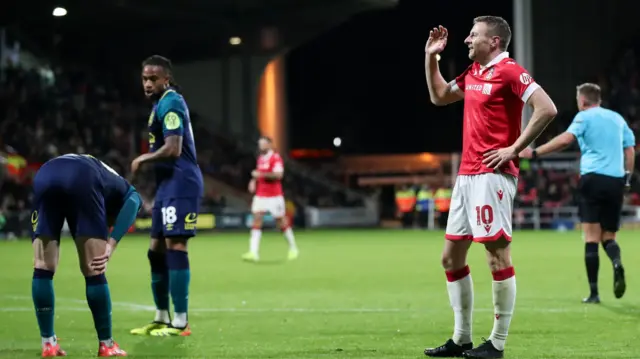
351	294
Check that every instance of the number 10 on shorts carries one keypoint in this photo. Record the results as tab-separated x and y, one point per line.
484	215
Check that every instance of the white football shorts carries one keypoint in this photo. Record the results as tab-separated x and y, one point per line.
273	205
482	207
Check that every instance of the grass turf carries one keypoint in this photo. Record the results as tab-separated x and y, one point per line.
351	294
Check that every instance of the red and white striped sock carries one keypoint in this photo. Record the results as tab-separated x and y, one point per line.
460	288
504	301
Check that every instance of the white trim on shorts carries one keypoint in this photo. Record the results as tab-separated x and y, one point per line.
482	207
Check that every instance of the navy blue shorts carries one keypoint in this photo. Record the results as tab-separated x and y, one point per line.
68	190
174	217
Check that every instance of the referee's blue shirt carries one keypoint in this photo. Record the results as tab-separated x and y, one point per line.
602	135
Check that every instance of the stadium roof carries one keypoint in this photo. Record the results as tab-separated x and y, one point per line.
192	28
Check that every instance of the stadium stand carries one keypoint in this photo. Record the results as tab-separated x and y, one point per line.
74	110
621	92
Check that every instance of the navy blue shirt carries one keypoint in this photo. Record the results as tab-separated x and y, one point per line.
115	189
181	177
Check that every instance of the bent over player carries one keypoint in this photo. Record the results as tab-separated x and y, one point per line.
89	195
495	89
179	189
608	154
266	183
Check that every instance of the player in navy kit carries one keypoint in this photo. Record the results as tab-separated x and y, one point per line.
178	193
91	197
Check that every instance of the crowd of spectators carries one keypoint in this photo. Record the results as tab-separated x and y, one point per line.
620	86
229	163
48	112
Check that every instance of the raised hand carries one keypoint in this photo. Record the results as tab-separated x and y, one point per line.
437	40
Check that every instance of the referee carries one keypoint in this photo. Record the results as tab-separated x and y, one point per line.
607	147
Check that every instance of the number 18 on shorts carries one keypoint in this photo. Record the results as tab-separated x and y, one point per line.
175	217
482	207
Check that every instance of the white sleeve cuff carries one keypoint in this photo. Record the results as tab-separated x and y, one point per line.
455	87
529	91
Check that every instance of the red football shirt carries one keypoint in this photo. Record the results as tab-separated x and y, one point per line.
494	96
268	163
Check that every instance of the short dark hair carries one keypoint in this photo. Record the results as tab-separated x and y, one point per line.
165	63
157	60
591	92
497	27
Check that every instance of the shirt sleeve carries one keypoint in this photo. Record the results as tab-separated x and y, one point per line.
278	164
521	83
127	215
577	126
459	84
628	138
171	114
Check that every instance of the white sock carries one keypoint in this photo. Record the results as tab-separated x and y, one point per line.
504	300
108	342
461	299
254	242
288	234
49	340
162	316
179	320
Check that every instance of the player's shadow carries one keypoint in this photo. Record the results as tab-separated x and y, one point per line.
160	347
629	310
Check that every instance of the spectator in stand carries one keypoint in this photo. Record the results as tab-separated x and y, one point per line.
77	110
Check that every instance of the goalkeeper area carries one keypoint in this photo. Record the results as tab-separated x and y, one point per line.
351	294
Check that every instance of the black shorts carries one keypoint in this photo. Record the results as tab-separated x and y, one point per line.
601	200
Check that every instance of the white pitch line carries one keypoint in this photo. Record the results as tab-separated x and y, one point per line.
132	306
30	309
136	307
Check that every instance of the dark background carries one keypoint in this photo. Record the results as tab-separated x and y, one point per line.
364	80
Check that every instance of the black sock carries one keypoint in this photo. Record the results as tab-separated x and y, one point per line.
613	250
592	260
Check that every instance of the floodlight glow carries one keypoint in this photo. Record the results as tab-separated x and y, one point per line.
59	11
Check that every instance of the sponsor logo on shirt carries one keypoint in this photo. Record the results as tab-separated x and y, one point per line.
525	78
